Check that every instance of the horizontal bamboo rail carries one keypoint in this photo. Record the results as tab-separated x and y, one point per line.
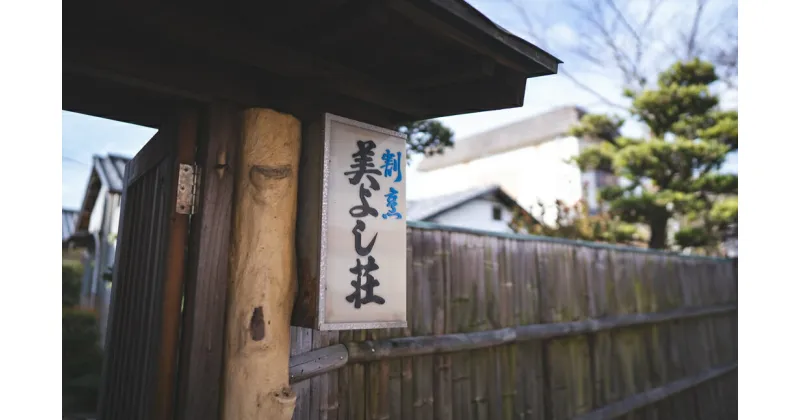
330	358
654	395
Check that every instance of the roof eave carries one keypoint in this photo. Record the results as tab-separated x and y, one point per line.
539	62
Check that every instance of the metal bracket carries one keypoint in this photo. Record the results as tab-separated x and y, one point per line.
187	189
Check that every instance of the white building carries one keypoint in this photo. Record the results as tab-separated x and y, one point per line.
486	208
95	230
527	159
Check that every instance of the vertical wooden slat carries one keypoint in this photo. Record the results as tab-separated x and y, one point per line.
507	286
200	370
301	343
685	402
176	228
344	386
122	268
152	312
599	279
383	373
442	397
109	392
460	304
140	374
358	391
422	324
478	322
141	307
493	355
120	401
515	262
543	264
658	342
579	303
318	384
532	352
413	251
396	386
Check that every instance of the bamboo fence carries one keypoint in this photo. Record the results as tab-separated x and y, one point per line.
521	327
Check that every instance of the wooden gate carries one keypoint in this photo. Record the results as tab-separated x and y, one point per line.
139	374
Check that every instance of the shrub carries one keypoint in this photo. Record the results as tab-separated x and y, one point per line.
81	360
71	273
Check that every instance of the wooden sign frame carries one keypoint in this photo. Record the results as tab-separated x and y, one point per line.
312	226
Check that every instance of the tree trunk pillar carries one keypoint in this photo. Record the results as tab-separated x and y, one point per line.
262	270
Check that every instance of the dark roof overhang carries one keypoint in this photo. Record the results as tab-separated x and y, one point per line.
383	62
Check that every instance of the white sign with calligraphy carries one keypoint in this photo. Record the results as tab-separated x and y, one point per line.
362	232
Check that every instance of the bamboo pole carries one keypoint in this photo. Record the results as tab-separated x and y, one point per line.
331	358
262	281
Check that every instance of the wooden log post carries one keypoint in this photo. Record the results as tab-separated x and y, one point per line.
262	277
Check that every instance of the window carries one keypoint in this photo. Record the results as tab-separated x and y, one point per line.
497	213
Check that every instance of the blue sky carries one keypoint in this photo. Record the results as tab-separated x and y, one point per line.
83	136
550	24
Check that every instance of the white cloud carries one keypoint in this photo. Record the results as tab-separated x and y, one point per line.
561	37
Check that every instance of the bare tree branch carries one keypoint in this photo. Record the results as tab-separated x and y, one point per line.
609	34
543	41
588	89
691	41
595	17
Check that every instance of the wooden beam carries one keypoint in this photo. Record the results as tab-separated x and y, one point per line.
317	362
464	74
163	73
233	43
506	89
262	282
100	98
341	22
199	383
156	71
185	128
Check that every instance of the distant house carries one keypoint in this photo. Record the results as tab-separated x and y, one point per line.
68	218
527	158
70	249
483	208
95	230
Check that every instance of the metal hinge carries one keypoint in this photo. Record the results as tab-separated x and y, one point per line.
188	186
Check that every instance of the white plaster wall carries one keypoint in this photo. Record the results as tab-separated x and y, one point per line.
476	214
96	219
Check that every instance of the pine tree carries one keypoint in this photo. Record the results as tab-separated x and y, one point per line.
427	137
675	171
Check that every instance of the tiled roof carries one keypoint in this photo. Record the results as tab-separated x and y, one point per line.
111	169
424	209
68	220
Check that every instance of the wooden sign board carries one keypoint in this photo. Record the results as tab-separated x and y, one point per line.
351	227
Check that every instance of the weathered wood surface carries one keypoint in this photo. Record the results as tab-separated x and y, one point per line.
655	395
139	379
511	326
262	271
369	350
206	289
